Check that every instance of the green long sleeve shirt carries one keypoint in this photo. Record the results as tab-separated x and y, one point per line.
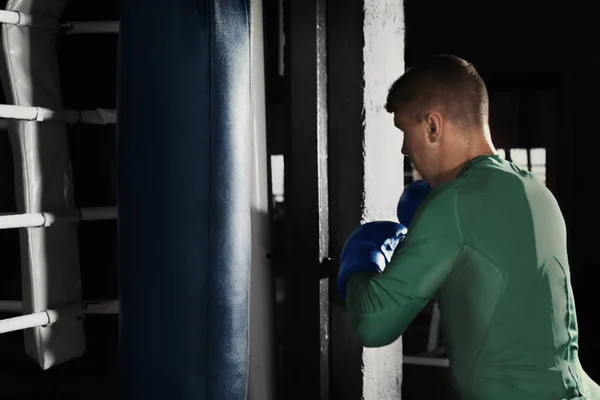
490	247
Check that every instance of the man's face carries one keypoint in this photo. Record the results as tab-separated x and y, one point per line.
419	145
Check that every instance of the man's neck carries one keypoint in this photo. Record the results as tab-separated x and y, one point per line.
481	146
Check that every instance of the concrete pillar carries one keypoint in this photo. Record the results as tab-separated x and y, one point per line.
365	54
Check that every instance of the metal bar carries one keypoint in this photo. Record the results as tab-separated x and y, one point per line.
106	307
345	37
306	304
434	329
91	27
426	361
41	318
37	220
322	191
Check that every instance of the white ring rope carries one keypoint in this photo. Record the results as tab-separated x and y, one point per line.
45	219
48	317
72	28
91	307
99	116
41	318
21	19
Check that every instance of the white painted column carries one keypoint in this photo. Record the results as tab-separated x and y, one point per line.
383	55
366	168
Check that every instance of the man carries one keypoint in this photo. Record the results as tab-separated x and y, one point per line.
488	242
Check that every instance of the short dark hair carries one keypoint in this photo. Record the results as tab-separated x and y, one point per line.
447	82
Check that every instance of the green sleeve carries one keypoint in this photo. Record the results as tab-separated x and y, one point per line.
382	305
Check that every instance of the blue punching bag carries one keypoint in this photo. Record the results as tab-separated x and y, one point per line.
183	160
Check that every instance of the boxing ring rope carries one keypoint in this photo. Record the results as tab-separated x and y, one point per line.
44	219
99	116
41	318
91	307
35	26
22	19
71	28
38	220
47	317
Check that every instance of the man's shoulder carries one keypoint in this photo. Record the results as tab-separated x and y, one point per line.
440	204
445	193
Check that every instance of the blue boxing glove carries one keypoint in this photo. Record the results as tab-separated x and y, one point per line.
412	197
368	249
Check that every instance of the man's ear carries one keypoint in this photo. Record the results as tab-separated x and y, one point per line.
434	126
